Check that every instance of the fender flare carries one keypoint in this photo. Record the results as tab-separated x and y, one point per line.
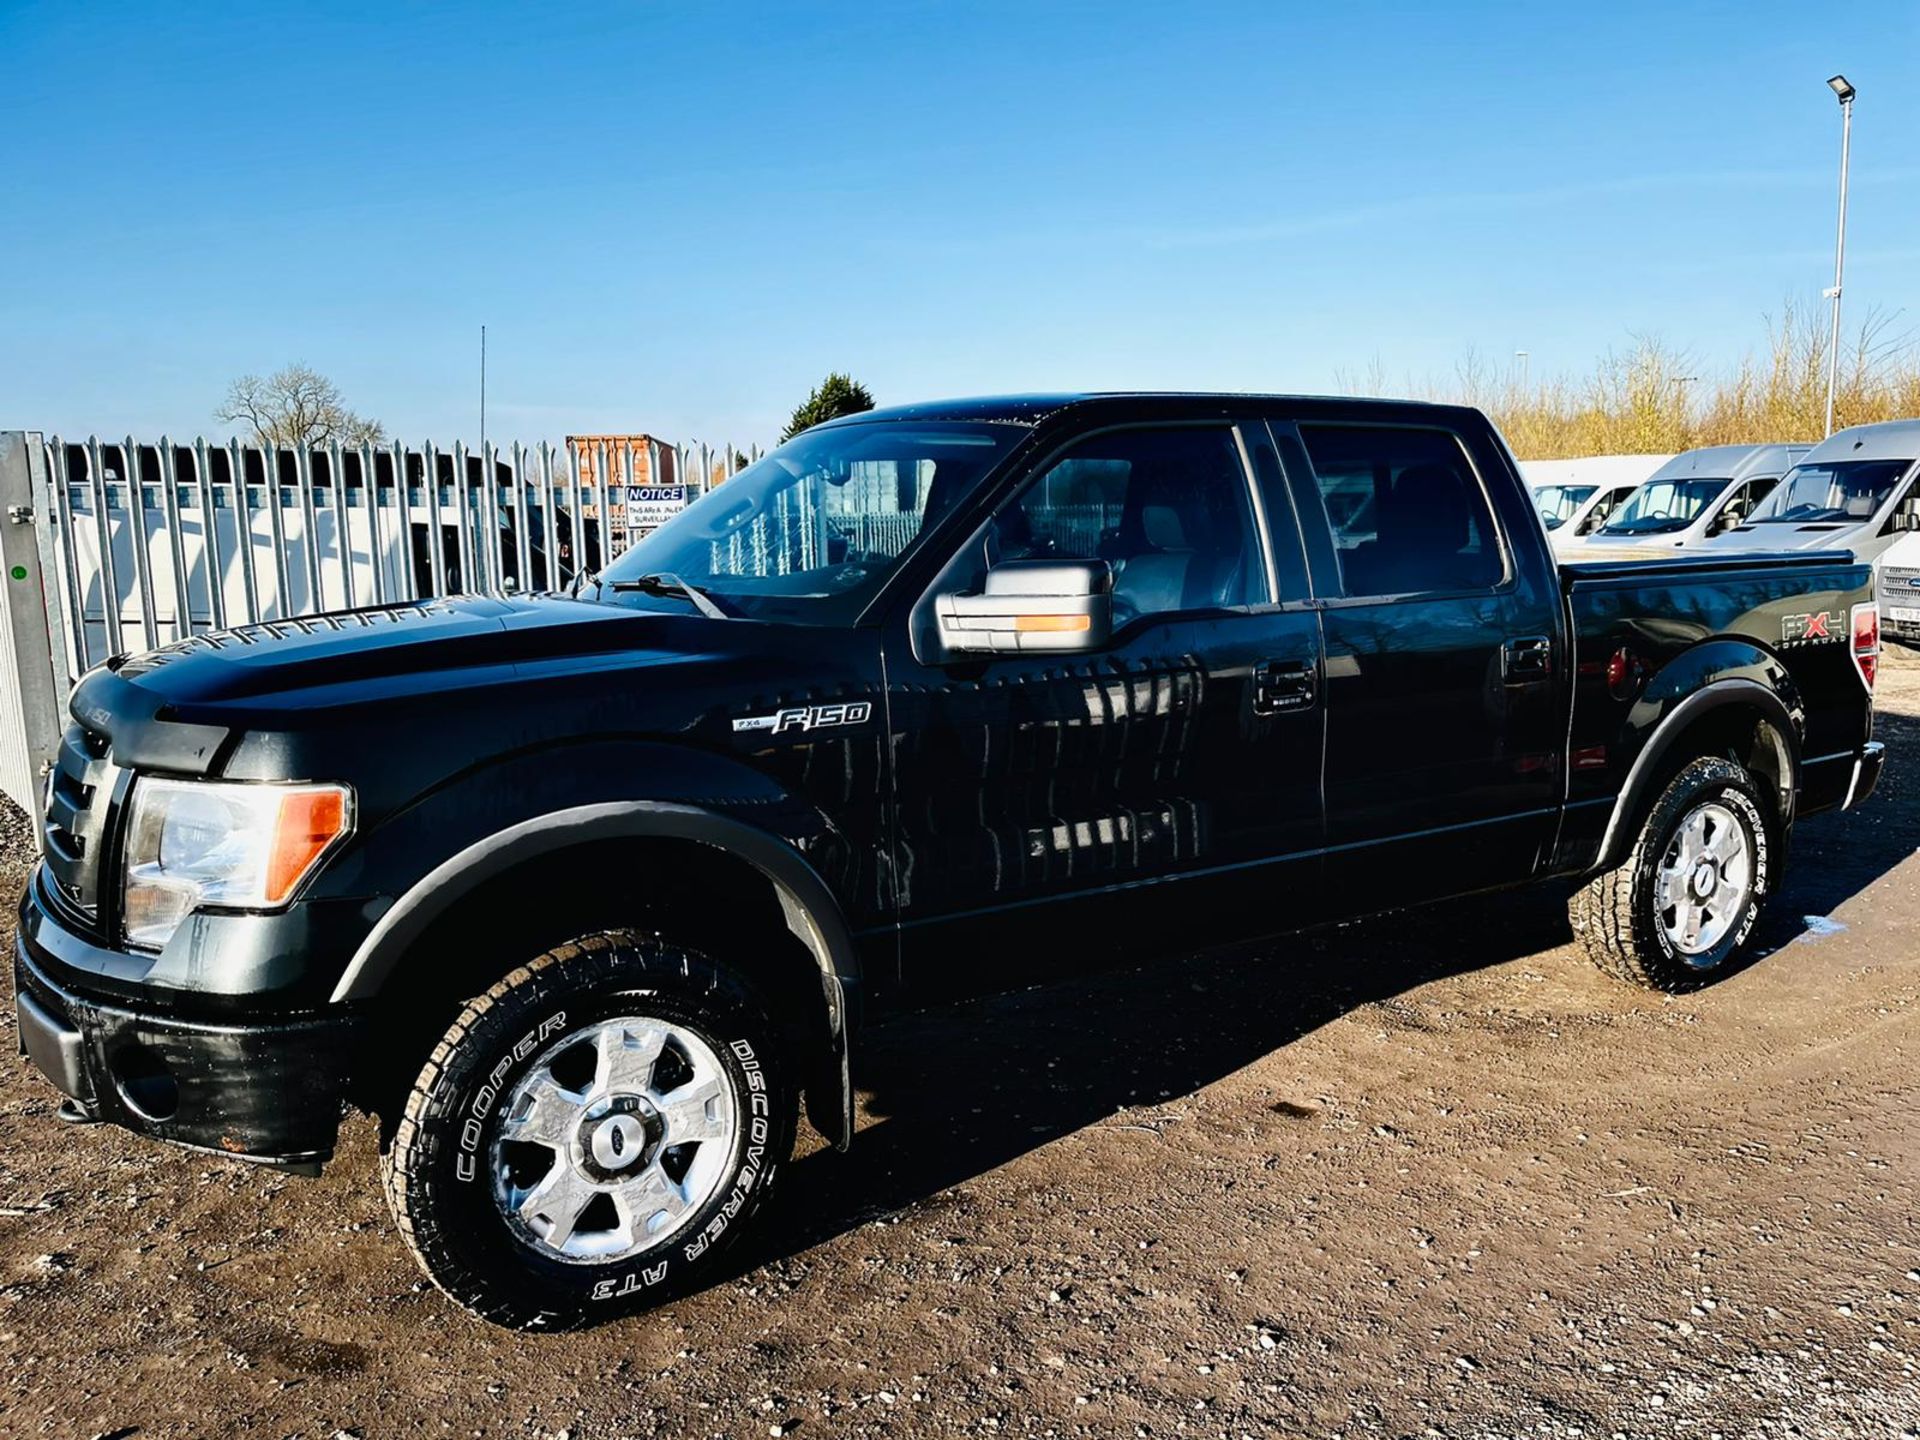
1716	695
810	910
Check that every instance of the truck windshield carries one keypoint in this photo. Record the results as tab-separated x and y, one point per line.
1831	490
811	531
1664	505
1558	503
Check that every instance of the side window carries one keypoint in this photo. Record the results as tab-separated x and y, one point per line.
1167	509
1602	508
1745	501
1407	511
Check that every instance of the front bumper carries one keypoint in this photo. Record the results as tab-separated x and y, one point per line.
269	1091
1899	592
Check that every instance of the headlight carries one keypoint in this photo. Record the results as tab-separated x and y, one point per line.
192	843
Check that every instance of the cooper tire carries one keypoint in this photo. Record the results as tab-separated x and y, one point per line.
1633	921
453	1174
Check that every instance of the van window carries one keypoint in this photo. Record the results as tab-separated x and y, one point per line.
1832	490
1603	508
1558	503
1746	500
1408	513
1661	507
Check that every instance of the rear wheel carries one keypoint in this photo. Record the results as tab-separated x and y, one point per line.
1678	912
591	1133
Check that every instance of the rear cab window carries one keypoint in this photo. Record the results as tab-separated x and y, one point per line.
1407	510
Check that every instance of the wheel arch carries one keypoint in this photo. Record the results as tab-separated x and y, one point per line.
1732	712
806	905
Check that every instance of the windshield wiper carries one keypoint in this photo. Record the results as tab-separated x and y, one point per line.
667	584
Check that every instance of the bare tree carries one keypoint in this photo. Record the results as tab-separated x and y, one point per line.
296	407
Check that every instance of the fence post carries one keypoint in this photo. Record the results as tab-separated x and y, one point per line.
31	691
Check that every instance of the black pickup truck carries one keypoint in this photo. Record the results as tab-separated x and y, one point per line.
583	893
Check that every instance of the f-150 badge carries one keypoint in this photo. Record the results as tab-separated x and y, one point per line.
1811	629
808	717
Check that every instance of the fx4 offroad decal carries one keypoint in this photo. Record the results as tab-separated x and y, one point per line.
1812	629
808	717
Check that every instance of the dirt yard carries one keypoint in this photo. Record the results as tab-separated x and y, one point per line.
1428	1176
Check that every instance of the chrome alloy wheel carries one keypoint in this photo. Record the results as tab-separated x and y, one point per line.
1705	879
613	1140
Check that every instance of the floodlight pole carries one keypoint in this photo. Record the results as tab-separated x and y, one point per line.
1846	93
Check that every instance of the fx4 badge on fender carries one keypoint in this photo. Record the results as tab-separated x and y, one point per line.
808	717
1811	629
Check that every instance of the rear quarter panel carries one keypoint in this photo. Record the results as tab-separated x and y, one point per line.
1682	631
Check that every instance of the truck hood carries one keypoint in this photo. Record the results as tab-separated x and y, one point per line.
421	644
173	707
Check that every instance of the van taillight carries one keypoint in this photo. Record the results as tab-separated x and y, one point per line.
1866	642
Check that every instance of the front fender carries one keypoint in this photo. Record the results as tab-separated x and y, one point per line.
488	822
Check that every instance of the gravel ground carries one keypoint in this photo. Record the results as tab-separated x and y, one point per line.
1430	1175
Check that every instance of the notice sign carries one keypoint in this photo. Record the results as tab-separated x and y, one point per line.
652	505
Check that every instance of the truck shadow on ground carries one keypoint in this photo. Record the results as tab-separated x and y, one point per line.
955	1092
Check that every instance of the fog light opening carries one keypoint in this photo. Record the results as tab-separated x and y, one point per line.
145	1083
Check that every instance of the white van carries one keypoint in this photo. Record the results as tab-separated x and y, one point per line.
1853	491
1695	496
1571	509
1897	587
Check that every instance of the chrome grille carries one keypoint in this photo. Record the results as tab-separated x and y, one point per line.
78	794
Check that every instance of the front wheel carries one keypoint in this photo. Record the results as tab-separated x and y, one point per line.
1678	912
591	1133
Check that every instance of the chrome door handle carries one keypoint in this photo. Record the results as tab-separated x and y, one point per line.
1527	659
1283	685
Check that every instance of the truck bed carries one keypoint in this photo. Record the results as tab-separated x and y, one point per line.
1650	634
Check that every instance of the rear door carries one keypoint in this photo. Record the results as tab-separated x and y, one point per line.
1442	629
1054	809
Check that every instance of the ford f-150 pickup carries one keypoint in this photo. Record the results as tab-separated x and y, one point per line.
585	893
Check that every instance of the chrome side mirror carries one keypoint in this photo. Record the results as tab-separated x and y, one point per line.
1907	517
1029	605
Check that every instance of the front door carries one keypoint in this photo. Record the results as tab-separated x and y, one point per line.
1053	807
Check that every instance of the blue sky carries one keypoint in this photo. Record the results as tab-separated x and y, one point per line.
677	217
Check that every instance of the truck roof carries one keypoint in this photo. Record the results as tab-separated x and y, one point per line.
1033	408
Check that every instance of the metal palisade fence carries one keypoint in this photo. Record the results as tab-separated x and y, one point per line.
127	545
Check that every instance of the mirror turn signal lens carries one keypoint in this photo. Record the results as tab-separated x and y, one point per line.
1052	624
